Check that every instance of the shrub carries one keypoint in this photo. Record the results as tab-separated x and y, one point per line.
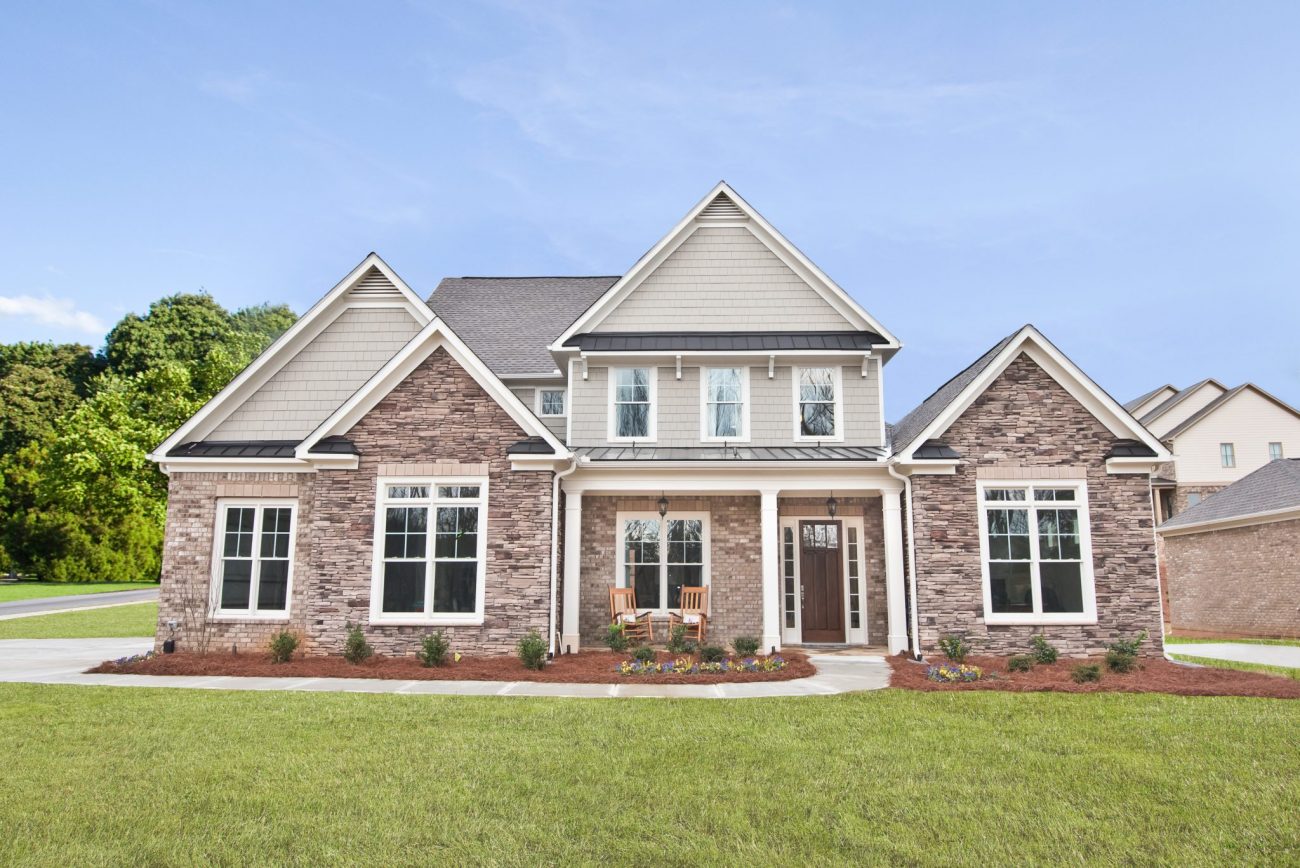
532	650
954	647
1020	663
1086	672
434	648
1121	655
283	644
745	646
713	654
616	639
1042	651
356	649
645	654
677	639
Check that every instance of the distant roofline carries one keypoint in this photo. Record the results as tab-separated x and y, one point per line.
536	277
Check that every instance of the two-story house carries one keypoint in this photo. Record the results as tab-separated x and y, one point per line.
492	459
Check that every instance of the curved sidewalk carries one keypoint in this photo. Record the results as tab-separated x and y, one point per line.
64	661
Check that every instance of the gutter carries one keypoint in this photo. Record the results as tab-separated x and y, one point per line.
911	560
555	550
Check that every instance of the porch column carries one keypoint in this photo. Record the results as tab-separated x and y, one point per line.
895	602
572	569
771	544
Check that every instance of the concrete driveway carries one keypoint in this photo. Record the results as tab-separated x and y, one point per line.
46	605
1240	652
61	661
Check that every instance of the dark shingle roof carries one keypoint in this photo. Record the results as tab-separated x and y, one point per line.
509	321
732	453
1142	399
721	341
1274	486
1177	398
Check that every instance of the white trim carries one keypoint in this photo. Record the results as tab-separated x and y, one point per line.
1086	575
1268	516
745	433
537	401
796	433
431	503
251	613
611	375
1115	466
620	571
232	465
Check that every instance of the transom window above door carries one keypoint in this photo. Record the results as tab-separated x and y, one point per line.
632	404
660	556
817	404
725	400
254	552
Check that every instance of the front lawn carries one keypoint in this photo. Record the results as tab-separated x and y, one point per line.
156	776
112	622
1237	665
1173	639
10	593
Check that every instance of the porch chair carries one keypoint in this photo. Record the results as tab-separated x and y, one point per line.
622	610
694	614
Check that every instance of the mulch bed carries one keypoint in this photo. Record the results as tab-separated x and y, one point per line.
585	667
1156	675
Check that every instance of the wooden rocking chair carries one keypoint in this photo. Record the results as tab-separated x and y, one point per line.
693	615
622	610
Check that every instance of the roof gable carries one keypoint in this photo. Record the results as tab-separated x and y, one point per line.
1222	401
1198	394
1273	489
1144	403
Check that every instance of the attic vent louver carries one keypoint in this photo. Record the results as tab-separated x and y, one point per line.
373	285
722	208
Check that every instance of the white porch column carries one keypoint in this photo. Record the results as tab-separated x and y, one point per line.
572	569
895	603
771	545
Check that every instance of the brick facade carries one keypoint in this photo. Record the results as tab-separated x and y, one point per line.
1243	581
1025	419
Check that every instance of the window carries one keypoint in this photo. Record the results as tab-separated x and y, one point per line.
1274	451
817	399
1035	543
1193	499
430	545
550	402
632	392
1227	455
726	394
787	568
855	567
661	556
255	548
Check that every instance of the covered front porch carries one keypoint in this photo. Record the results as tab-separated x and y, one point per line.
811	558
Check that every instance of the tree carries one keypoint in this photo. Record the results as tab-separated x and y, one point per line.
179	328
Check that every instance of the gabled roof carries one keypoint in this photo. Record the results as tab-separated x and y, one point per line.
1165	406
937	413
1133	405
1224	399
510	321
1272	490
725	205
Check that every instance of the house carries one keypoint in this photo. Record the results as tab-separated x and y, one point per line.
1236	557
492	459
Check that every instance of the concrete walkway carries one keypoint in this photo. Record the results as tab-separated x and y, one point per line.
64	661
1240	652
49	605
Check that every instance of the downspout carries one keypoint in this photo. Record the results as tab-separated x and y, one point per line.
911	559
555	549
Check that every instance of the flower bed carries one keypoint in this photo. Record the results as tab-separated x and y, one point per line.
948	673
690	666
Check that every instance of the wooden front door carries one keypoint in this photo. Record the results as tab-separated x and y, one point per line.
821	581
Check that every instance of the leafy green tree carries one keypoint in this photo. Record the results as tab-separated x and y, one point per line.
263	323
179	328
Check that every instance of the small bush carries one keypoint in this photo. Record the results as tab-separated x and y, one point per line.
1085	672
532	650
954	647
434	648
615	638
745	646
645	654
1042	651
677	639
1020	663
356	649
713	654
283	644
1117	662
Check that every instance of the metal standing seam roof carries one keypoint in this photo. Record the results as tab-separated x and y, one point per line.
1273	487
259	448
723	341
732	453
1130	449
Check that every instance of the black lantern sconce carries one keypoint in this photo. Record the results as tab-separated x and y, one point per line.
832	505
663	505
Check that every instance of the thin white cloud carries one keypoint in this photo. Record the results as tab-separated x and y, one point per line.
52	311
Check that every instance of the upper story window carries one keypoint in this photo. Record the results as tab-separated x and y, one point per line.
255	546
550	402
1227	455
632	399
1274	451
818	408
726	403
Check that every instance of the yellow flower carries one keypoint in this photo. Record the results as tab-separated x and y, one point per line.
456	657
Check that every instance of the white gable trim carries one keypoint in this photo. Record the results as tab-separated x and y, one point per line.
400	366
1071	378
1222	401
828	289
286	347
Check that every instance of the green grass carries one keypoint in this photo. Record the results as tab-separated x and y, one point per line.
37	590
1174	639
152	776
1216	663
134	619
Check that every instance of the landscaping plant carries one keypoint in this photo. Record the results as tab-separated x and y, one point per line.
645	654
283	644
1042	652
1085	672
713	654
954	647
532	650
615	638
434	648
1020	663
678	643
745	646
356	649
1121	655
948	673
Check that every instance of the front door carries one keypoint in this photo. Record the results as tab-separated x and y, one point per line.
821	582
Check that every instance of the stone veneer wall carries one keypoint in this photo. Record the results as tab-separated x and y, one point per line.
438	419
1025	419
1242	580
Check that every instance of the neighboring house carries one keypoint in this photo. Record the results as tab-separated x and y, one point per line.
1234	558
493	459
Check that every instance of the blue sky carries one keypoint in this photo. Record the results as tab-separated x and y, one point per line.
1125	176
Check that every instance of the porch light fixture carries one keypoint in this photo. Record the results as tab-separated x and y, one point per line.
832	505
663	505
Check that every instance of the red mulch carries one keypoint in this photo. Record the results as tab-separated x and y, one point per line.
1155	675
585	667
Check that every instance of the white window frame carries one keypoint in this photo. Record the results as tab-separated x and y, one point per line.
218	547
1274	454
1227	456
540	405
432	502
838	371
705	436
652	426
1086	576
620	567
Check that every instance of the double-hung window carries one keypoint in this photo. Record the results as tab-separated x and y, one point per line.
817	404
550	402
1274	451
1227	455
1036	549
254	553
632	399
660	556
431	546
726	403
